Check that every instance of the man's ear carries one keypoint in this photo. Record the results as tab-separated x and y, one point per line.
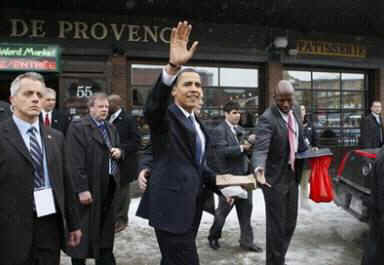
173	92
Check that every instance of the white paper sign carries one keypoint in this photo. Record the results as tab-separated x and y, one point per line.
44	202
235	191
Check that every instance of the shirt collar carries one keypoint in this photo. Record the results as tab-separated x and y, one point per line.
46	112
98	123
230	125
116	113
186	113
24	126
284	115
375	115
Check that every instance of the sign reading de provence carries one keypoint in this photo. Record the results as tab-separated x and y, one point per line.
29	57
330	48
85	30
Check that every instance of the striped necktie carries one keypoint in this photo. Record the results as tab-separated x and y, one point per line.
37	157
198	143
113	163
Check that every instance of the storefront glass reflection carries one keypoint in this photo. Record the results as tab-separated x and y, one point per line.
221	84
335	102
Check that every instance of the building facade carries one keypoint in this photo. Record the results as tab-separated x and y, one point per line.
336	76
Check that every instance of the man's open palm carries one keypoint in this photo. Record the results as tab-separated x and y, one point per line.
179	54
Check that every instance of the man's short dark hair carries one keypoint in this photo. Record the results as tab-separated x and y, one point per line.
231	105
184	70
375	101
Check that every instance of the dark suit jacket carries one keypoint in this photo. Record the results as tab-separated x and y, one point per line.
271	148
130	142
370	132
60	121
231	158
5	111
177	180
16	190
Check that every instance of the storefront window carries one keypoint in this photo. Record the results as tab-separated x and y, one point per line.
78	89
335	103
221	84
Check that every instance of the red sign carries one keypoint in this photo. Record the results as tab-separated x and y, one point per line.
33	64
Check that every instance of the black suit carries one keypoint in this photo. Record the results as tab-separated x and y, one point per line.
173	202
59	120
271	152
233	161
130	142
5	111
22	234
371	132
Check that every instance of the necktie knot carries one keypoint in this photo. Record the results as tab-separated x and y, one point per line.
32	130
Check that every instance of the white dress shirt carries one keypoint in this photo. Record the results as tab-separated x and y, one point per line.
115	115
23	128
44	114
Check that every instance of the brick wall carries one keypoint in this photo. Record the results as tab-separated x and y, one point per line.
119	78
274	74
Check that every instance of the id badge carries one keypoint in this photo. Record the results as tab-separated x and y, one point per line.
44	202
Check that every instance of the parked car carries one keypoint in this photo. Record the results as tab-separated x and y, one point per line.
351	183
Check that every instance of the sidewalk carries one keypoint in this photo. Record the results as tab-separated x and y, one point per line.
325	236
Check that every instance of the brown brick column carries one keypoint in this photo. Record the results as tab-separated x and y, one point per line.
274	75
119	78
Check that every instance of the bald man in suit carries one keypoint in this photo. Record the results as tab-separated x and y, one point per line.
279	137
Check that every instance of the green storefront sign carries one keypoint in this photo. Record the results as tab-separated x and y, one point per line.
29	57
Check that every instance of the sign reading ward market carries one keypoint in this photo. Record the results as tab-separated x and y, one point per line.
29	57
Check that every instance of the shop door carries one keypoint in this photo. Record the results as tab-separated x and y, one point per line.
75	90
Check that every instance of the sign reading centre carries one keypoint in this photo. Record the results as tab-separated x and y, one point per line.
29	57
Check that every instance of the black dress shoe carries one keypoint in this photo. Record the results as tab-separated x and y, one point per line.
253	248
214	244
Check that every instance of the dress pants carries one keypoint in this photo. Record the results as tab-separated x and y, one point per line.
46	241
180	249
123	204
106	258
244	212
281	216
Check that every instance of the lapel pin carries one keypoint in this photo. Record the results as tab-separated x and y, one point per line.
49	136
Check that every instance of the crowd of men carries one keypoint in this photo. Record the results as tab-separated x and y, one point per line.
65	184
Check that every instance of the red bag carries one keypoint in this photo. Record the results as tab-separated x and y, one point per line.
321	184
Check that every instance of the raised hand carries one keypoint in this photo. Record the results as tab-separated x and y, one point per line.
179	54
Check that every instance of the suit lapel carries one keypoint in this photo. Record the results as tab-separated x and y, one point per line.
48	143
283	124
206	135
187	132
111	134
54	119
229	133
96	134
12	133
